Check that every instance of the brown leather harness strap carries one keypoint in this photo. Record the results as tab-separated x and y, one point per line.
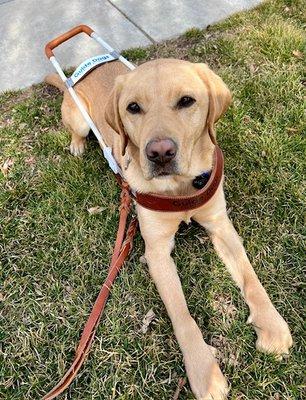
158	202
121	251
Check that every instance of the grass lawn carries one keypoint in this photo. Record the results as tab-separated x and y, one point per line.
54	253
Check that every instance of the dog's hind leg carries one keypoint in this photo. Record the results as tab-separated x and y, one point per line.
75	123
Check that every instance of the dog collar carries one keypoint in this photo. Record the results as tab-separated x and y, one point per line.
158	202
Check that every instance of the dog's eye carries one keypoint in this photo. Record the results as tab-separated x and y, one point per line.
133	108
185	101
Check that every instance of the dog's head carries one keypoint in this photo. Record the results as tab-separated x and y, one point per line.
164	107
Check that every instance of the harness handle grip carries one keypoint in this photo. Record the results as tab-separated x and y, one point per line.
66	36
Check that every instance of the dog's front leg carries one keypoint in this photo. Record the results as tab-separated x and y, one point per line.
205	377
272	331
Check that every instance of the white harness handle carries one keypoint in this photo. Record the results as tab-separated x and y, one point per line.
83	69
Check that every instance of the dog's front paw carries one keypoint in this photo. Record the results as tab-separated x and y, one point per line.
273	334
206	380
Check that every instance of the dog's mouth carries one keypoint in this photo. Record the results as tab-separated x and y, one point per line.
164	171
163	175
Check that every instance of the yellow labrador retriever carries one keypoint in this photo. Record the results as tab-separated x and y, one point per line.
166	109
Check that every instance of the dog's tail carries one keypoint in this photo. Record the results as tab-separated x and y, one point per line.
55	80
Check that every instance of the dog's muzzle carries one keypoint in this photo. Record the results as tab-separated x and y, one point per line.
161	154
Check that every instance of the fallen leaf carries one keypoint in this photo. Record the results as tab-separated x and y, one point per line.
225	306
286	9
219	342
69	289
202	239
298	54
148	318
1	297
30	160
253	68
233	359
56	159
38	291
246	119
6	166
180	385
95	210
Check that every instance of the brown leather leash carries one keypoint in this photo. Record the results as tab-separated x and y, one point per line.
122	248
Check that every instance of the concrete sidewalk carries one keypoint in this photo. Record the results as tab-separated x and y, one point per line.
26	26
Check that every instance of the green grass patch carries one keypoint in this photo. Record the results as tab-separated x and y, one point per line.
135	54
54	254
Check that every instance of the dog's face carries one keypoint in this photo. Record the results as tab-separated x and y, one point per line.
164	107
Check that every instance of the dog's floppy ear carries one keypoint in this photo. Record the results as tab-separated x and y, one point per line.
219	96
112	115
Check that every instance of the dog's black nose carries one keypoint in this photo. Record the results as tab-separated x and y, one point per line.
161	151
